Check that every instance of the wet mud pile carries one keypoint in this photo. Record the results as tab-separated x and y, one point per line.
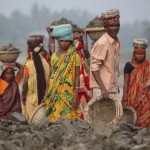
95	22
68	134
76	28
9	47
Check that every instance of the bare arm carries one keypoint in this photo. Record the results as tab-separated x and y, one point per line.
100	83
24	88
51	44
85	44
125	89
77	85
20	72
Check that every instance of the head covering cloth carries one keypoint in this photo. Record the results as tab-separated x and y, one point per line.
110	17
63	32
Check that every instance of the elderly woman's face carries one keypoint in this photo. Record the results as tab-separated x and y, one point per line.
64	44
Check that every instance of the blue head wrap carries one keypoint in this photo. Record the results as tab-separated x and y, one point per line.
63	32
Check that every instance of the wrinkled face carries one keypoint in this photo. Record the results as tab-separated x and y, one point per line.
64	44
139	56
112	30
8	75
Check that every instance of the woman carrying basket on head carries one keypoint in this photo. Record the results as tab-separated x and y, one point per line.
62	95
9	90
136	92
82	49
36	74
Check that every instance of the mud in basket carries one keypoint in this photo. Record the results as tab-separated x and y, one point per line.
129	115
95	33
107	110
9	57
38	115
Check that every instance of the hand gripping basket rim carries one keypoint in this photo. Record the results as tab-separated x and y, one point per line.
35	118
119	109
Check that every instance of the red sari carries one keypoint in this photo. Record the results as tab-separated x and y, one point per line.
138	97
84	90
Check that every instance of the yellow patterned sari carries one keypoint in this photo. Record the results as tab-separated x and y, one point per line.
61	90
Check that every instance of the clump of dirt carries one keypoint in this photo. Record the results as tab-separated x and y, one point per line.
9	47
96	22
76	28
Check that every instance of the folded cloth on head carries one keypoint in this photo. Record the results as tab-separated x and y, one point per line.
111	17
63	32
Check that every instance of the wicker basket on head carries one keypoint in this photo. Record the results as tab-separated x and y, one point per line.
9	56
76	28
129	115
108	110
38	114
95	33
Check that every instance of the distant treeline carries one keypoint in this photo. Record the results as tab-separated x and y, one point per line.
17	26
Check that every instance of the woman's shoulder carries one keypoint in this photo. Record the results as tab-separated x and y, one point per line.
128	67
128	63
3	86
28	62
54	55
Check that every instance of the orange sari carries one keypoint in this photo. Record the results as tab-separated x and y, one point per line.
138	97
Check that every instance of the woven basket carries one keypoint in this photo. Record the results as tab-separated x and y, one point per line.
9	57
129	115
107	110
38	114
95	33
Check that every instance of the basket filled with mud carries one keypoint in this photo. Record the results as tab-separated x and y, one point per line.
38	115
129	115
95	28
76	28
103	110
9	53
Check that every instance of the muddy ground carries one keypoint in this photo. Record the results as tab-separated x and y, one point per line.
68	134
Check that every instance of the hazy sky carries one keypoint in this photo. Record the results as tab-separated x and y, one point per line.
130	10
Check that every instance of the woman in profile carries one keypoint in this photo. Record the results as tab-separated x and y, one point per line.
85	93
35	79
